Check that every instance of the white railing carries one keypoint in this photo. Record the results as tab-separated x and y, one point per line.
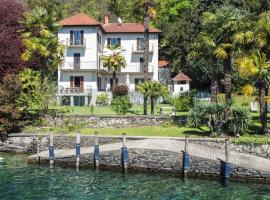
79	65
75	43
74	90
139	49
137	68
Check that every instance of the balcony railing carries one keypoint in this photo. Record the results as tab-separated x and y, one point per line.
74	90
137	68
75	43
79	65
139	48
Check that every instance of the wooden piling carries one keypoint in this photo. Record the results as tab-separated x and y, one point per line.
96	152
78	147
124	153
51	150
186	161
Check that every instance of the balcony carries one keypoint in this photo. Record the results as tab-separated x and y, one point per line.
75	43
137	69
85	65
139	48
73	91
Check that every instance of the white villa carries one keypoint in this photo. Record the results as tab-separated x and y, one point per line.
82	76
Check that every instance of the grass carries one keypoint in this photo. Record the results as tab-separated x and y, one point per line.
251	136
106	110
172	131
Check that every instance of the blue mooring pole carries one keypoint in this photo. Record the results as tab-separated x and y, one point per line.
186	162
226	168
78	150
51	150
96	152
124	153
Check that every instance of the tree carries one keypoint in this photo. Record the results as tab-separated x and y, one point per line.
11	46
30	100
257	67
114	62
39	33
10	115
224	24
148	13
204	45
154	90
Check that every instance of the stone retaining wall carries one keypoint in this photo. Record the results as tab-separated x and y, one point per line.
109	121
151	160
27	143
258	150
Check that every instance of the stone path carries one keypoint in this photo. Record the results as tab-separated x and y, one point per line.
198	150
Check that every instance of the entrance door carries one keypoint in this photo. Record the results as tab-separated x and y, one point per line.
77	82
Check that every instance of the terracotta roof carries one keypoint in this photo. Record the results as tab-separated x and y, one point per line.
163	64
181	77
79	20
127	28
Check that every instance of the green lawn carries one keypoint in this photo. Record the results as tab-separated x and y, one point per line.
172	131
251	136
106	110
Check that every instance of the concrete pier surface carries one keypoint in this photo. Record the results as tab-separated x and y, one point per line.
166	155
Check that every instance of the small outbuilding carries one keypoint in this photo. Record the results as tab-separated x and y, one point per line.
180	84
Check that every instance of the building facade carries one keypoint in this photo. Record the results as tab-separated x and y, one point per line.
82	76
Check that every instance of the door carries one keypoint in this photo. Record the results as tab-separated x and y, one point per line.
77	60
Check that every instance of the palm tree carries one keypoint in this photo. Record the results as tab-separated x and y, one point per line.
257	67
148	13
39	36
114	62
204	45
223	25
154	90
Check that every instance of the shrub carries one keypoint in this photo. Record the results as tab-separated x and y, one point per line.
121	105
10	114
183	102
119	91
213	115
102	99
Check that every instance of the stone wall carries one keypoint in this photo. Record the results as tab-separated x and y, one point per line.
110	121
27	143
258	150
151	160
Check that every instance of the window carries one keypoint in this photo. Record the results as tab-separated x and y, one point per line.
181	82
141	65
115	42
140	44
77	60
181	89
76	37
137	82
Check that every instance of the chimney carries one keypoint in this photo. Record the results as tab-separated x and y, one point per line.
106	19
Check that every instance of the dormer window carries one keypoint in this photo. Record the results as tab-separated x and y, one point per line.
114	42
76	37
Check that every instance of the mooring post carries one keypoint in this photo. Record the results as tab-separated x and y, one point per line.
227	166
51	150
124	153
78	150
96	152
186	162
38	157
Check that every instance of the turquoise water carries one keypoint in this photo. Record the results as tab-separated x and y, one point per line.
18	180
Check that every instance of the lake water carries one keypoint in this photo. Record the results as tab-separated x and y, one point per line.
18	180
